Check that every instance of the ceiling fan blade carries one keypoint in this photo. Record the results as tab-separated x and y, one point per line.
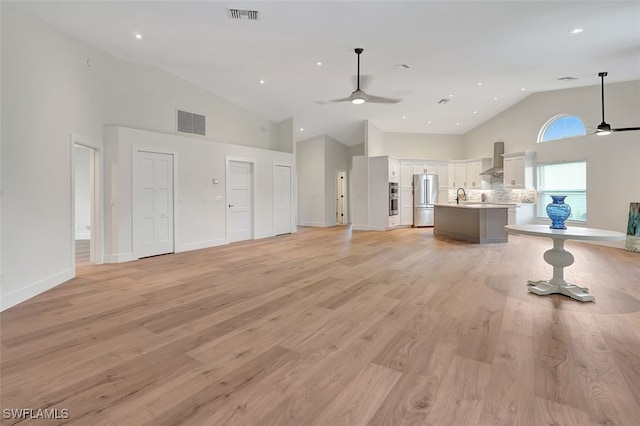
341	100
625	129
381	100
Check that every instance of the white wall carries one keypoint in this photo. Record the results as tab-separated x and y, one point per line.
82	193
612	161
311	181
335	158
423	146
359	190
49	92
285	136
200	218
373	140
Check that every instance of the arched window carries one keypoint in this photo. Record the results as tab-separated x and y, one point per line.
560	127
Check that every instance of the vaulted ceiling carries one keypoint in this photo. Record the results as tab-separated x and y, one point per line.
482	57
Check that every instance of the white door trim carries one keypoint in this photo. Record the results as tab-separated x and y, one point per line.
252	161
291	215
135	243
97	225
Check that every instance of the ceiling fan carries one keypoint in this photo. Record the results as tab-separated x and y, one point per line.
358	96
604	128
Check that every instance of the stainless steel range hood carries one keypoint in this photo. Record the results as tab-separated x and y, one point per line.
498	160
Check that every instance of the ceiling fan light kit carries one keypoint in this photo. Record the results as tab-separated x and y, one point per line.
358	96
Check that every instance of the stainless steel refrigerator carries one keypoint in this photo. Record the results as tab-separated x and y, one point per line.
425	195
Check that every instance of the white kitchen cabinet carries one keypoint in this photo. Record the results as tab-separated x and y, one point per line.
459	174
394	170
406	193
523	214
420	167
474	179
381	172
451	176
443	176
518	170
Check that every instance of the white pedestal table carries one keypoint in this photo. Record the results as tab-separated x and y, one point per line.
559	258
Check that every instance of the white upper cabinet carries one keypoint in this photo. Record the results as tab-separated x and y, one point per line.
459	174
394	170
474	179
451	175
518	170
443	175
420	167
406	174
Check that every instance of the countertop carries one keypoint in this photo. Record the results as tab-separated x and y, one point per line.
474	205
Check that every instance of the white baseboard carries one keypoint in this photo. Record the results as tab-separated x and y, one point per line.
359	228
265	235
200	245
83	236
34	289
119	257
316	224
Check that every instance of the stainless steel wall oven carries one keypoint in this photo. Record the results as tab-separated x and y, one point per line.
394	198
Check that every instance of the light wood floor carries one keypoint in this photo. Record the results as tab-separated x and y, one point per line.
330	327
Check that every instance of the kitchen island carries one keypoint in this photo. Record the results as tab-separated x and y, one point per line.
476	223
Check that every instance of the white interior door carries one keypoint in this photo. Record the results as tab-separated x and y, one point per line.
240	201
153	204
283	200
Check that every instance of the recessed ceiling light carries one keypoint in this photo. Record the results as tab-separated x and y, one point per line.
495	99
475	112
479	84
139	36
319	63
428	122
451	96
457	124
301	129
404	117
261	81
523	89
576	31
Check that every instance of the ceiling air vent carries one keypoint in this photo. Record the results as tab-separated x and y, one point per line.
444	101
188	122
567	78
249	15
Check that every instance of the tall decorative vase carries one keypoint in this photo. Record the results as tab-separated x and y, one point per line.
558	211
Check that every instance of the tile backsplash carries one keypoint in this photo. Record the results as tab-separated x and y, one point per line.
498	194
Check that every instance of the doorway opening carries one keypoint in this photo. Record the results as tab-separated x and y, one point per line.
86	203
341	197
282	204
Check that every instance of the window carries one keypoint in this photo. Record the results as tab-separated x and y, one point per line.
568	179
560	127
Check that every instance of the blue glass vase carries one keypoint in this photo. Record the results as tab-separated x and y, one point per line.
558	211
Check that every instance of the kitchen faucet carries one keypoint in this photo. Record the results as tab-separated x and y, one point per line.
464	195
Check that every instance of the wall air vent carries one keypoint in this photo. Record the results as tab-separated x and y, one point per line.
444	101
567	78
248	15
188	122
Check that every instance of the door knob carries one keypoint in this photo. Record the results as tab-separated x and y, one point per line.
230	205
